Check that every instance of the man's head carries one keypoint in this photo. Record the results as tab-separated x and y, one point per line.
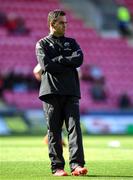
57	22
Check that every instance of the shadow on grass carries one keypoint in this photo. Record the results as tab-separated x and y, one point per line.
108	176
102	176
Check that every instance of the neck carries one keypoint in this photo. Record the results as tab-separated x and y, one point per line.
56	34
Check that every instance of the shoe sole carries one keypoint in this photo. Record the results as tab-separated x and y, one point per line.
65	174
80	173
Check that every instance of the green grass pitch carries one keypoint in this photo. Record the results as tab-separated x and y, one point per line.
26	158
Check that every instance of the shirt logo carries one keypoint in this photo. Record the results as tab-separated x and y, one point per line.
67	46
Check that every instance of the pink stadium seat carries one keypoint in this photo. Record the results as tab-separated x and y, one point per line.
113	56
23	100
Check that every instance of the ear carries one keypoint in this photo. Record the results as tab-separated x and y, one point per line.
52	24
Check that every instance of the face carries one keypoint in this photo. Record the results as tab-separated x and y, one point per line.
60	26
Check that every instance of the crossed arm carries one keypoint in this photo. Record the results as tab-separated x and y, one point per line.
60	63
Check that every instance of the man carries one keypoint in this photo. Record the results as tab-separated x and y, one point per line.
124	21
59	56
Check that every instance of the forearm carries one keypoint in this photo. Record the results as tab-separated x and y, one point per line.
48	64
54	68
51	66
74	61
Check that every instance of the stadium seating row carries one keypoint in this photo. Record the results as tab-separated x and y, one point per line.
113	56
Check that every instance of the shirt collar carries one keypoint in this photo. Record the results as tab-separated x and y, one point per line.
55	37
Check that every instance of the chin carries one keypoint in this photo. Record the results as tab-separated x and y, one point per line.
63	33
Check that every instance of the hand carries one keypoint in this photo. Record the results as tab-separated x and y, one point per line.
57	59
75	54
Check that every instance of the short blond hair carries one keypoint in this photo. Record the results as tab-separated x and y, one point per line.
54	15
